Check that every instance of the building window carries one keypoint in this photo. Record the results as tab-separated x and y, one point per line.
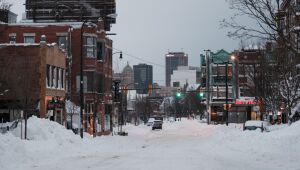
90	47
78	83
99	125
100	51
107	122
12	39
62	75
53	85
48	80
28	39
62	42
99	83
90	81
57	78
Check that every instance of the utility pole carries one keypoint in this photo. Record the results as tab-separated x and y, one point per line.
208	85
226	84
81	80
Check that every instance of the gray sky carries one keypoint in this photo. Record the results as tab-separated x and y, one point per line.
147	29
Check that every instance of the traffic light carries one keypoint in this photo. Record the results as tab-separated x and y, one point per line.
229	106
201	94
116	89
126	90
178	93
150	89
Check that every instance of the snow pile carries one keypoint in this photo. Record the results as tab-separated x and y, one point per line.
43	129
185	144
47	140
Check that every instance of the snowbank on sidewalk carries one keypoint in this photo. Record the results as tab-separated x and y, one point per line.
185	144
43	129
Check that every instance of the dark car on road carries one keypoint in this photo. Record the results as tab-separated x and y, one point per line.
157	124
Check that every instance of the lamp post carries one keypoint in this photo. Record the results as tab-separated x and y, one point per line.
207	85
81	80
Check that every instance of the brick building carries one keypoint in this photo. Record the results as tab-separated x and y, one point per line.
249	71
33	77
76	38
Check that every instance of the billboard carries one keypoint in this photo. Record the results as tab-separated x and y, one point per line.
71	11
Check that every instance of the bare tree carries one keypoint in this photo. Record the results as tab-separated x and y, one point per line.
268	18
279	79
5	5
19	77
289	89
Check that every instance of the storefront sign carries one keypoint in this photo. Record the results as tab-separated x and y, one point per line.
245	102
52	104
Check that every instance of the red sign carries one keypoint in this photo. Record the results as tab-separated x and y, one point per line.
245	102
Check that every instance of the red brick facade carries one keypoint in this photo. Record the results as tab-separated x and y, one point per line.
24	71
97	95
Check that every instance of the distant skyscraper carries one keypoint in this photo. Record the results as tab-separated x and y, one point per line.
143	77
173	60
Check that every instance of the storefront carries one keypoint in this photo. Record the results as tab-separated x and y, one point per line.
55	109
243	110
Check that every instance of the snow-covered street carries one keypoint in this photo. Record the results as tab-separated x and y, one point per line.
180	145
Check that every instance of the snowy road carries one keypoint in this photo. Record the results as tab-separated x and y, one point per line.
180	145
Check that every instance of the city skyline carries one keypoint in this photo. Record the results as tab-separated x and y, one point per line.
145	36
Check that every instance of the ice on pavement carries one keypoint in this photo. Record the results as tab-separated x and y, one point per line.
186	144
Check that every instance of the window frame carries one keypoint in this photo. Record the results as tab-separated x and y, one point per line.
65	38
90	47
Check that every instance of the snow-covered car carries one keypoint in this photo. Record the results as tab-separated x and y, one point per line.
256	124
157	124
150	121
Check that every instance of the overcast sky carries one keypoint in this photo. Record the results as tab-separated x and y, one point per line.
148	29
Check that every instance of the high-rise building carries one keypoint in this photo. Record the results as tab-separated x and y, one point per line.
75	11
7	16
173	60
143	77
184	75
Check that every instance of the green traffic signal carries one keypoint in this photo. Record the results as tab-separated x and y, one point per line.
178	94
201	94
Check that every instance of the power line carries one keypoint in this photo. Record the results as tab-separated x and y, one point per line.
138	58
